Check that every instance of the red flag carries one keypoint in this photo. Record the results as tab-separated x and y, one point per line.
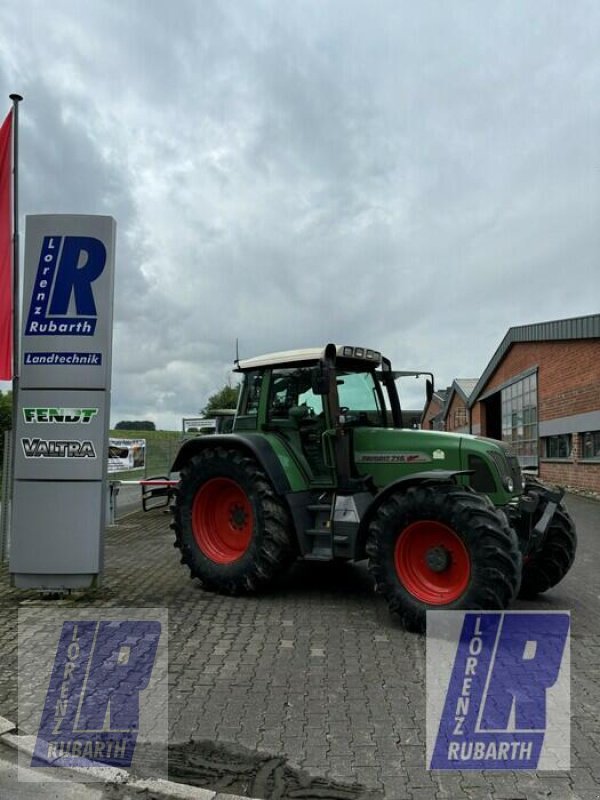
6	291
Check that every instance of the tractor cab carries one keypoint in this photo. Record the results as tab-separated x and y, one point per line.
325	405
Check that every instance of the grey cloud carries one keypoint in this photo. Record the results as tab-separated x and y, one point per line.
417	178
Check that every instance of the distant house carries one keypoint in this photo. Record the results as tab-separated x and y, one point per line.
432	416
455	414
540	393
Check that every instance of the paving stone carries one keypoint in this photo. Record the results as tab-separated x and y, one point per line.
241	670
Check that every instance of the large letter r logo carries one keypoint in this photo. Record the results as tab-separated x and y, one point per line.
81	263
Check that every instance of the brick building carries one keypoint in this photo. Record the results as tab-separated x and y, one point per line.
456	413
433	413
541	393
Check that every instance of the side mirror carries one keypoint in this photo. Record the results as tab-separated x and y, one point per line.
429	390
320	380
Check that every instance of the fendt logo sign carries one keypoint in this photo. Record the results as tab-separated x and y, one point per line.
62	301
68	416
507	700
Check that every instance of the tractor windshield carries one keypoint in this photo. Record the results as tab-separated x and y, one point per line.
360	398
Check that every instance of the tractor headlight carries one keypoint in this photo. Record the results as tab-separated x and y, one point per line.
509	484
505	471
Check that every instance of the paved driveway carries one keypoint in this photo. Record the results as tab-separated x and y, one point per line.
319	674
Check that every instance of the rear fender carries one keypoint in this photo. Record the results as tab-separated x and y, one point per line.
401	485
250	444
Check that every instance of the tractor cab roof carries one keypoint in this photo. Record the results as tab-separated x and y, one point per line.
357	357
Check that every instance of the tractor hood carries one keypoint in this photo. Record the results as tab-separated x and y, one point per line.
390	453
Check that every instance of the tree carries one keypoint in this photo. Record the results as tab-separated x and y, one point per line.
135	425
226	397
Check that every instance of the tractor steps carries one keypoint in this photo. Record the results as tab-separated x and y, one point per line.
319	554
320	531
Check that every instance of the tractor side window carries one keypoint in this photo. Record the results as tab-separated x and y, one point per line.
251	398
291	390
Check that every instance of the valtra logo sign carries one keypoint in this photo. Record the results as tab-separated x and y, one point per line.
62	300
54	448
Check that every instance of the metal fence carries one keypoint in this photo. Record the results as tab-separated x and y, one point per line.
161	449
123	495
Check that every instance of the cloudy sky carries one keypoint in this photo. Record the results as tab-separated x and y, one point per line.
411	176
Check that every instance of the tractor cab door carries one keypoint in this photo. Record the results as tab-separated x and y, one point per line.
299	417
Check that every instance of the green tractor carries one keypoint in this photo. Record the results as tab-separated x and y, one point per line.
318	466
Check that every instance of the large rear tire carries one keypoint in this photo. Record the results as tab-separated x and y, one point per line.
233	531
548	566
442	547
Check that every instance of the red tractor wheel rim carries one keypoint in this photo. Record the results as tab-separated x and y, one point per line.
428	542
222	520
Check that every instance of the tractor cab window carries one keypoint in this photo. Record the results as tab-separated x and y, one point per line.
297	414
360	398
251	394
291	394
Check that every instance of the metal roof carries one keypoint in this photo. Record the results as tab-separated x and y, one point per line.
282	357
464	387
553	331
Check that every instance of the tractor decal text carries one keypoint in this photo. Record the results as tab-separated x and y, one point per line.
392	458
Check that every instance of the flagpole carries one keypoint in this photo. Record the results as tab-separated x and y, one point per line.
16	99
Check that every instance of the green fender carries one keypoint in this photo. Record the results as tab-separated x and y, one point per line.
268	452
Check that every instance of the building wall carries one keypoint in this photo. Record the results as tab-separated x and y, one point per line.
433	410
568	378
457	418
478	419
572	472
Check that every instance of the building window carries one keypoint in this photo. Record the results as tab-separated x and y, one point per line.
557	446
460	418
519	419
590	444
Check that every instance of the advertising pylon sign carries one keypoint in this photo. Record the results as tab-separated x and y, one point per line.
63	409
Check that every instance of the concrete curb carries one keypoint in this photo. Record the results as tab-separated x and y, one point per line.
110	775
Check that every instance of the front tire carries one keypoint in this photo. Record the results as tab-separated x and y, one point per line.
232	529
442	547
